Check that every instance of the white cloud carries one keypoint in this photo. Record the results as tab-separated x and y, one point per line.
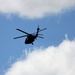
35	8
58	60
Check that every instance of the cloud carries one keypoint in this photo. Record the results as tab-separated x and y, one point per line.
58	60
35	8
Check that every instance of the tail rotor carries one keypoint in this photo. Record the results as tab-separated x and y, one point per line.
38	29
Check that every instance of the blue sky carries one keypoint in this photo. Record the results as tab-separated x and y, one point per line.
58	24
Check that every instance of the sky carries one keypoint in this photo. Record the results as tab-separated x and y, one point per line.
53	55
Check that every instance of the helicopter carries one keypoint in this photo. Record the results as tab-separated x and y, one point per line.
30	38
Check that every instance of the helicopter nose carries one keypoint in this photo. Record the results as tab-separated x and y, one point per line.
25	42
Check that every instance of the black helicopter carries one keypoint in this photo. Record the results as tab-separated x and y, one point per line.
30	38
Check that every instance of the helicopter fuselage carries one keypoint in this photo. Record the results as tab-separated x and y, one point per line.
30	39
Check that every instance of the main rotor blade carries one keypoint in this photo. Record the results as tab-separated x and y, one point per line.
40	34
40	37
20	36
42	29
22	31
